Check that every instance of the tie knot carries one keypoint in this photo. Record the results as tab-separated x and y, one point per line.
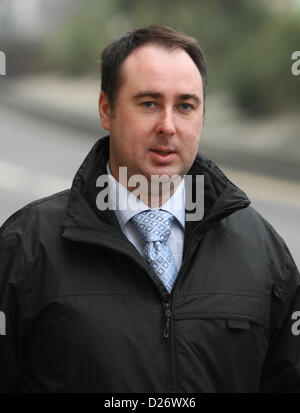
153	225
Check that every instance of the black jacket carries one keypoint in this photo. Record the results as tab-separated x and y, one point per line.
85	313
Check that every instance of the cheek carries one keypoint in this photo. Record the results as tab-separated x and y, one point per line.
196	132
190	126
189	147
138	139
136	128
190	137
142	126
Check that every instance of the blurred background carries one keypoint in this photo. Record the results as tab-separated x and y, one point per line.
48	97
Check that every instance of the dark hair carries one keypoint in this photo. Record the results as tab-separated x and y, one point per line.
116	52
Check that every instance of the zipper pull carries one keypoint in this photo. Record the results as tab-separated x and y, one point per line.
168	315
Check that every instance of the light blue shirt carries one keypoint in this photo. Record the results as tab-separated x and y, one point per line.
175	205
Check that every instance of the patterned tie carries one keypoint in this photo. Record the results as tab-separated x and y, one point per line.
154	228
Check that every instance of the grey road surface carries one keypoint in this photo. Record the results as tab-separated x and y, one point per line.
38	158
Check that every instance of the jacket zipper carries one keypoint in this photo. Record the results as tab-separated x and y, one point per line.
168	304
168	313
168	336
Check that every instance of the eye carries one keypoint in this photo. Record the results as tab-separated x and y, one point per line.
148	104
186	107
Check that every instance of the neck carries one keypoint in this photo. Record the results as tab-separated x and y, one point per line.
153	191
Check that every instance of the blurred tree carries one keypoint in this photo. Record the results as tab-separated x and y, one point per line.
75	48
260	79
247	46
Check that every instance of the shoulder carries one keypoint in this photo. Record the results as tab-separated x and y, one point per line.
262	242
250	223
38	216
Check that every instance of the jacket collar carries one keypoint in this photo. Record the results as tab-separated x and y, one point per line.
221	196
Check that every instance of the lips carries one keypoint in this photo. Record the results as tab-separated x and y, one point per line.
163	151
162	155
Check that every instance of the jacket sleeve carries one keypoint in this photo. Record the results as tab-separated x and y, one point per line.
10	343
281	373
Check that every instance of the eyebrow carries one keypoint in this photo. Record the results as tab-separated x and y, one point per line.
189	96
148	93
158	95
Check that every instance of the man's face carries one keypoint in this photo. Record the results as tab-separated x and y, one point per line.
157	116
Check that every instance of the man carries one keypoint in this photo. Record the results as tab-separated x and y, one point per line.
143	299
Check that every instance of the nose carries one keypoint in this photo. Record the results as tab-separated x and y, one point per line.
166	125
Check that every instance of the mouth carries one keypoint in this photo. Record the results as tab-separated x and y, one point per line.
162	154
163	150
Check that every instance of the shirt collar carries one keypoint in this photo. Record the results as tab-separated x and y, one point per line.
119	195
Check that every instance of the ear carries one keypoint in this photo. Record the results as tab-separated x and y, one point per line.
104	110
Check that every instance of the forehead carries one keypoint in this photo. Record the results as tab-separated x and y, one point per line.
155	67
